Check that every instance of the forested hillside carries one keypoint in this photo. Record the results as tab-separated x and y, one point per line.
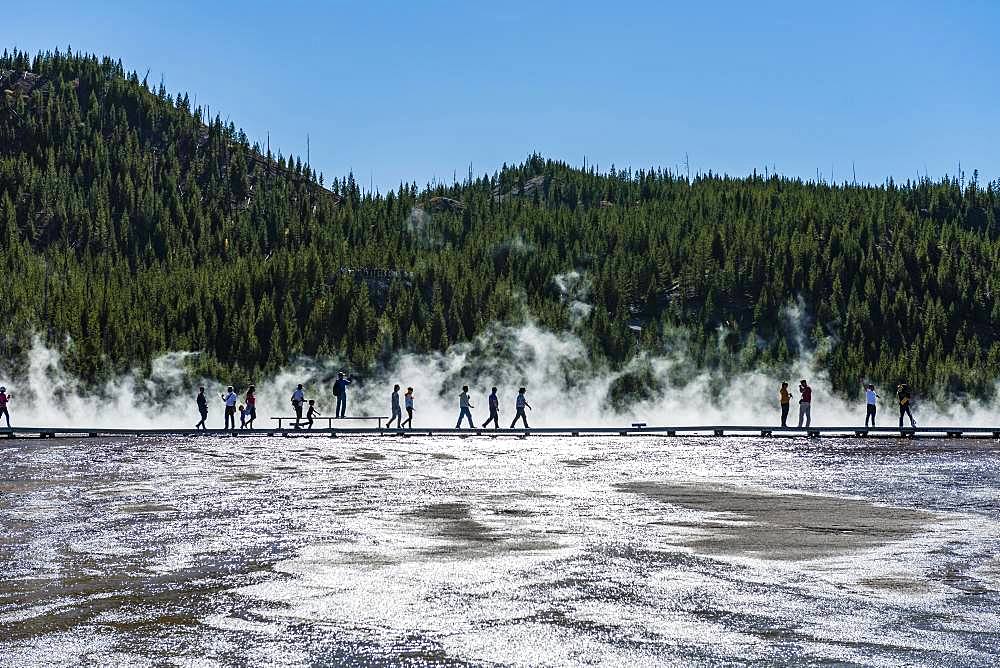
131	224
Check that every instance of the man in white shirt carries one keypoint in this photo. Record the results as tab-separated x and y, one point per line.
298	398
463	408
230	398
870	399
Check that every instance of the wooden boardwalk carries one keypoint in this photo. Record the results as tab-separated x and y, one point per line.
632	430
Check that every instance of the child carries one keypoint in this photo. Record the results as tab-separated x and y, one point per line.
244	413
313	413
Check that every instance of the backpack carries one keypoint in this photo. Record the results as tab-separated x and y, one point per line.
338	389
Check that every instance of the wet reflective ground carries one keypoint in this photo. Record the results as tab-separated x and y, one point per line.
553	551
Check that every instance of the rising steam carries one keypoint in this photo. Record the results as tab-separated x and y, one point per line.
565	386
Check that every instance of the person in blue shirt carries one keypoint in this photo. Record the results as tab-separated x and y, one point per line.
494	410
519	405
340	391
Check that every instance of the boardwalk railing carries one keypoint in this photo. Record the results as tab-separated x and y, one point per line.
636	429
303	422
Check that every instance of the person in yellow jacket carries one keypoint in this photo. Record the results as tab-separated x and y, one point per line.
785	399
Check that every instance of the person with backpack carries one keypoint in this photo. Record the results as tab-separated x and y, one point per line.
397	414
340	391
903	397
871	402
805	403
519	405
298	398
464	408
494	410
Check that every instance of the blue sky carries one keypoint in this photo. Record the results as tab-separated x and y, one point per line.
418	91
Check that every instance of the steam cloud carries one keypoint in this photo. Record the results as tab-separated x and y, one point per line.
565	387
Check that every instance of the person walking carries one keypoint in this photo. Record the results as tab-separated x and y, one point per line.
243	416
202	408
408	402
464	406
4	400
871	401
494	410
519	405
230	398
397	414
903	396
313	413
298	398
805	403
340	391
785	400
251	402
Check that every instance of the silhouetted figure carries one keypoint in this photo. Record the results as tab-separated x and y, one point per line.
464	407
519	405
397	414
340	391
871	404
313	413
202	408
298	398
243	416
903	396
805	403
785	400
494	410
251	401
408	402
4	399
230	399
